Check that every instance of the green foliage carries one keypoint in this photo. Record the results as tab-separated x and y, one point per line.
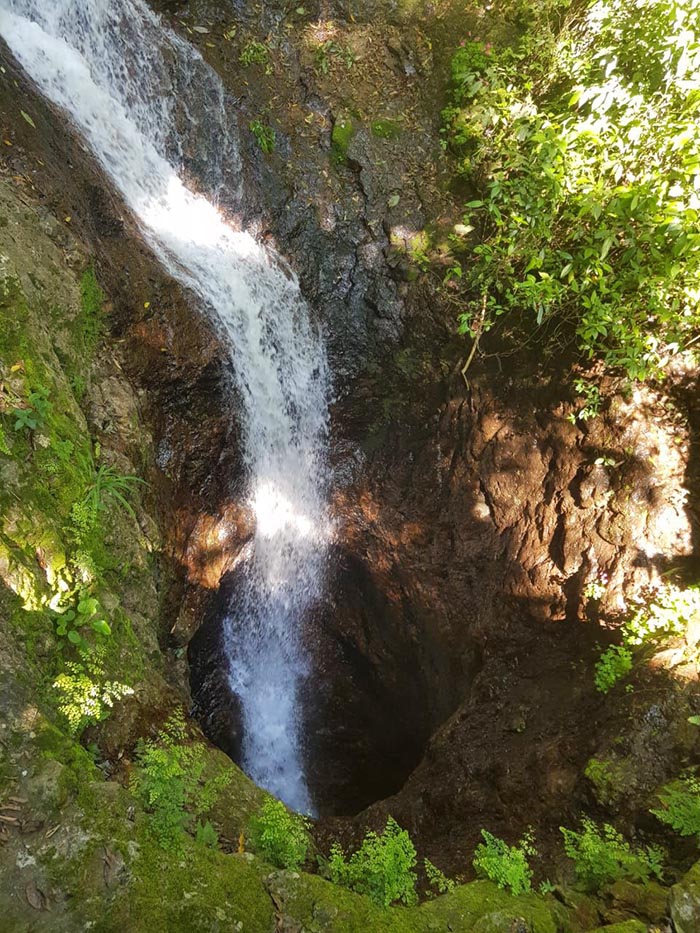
603	855
329	50
669	613
437	879
382	868
507	865
614	664
84	695
69	620
255	53
279	836
108	484
591	401
4	446
33	415
264	134
169	779
584	145
681	806
206	835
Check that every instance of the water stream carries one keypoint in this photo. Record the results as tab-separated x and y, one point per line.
150	108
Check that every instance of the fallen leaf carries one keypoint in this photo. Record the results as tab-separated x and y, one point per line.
35	897
25	116
393	200
201	29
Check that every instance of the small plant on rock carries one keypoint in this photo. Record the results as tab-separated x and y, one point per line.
280	837
437	879
108	484
602	855
255	53
264	134
169	779
681	806
33	416
382	868
613	665
507	865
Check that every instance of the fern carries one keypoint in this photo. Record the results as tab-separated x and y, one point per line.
681	806
382	868
507	865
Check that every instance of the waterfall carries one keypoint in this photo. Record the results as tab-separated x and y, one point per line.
149	107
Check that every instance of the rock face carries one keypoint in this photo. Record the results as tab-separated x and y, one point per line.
481	534
685	902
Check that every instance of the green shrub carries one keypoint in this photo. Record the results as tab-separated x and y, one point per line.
382	868
669	613
614	663
437	879
169	779
602	855
583	146
206	835
507	865
681	806
84	695
279	836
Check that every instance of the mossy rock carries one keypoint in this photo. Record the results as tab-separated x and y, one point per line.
629	926
685	902
385	129
647	901
610	780
342	133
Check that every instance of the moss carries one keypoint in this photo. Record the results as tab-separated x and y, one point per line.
610	780
628	926
343	131
385	129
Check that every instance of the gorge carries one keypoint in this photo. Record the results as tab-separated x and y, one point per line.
384	589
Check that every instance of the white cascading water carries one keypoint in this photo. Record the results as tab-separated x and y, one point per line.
145	101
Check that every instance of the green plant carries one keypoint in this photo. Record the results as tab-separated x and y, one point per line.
583	144
255	53
169	779
437	879
603	855
84	695
330	49
614	663
681	806
206	835
107	484
279	836
34	414
264	134
669	613
382	868
4	446
507	865
591	401
70	620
